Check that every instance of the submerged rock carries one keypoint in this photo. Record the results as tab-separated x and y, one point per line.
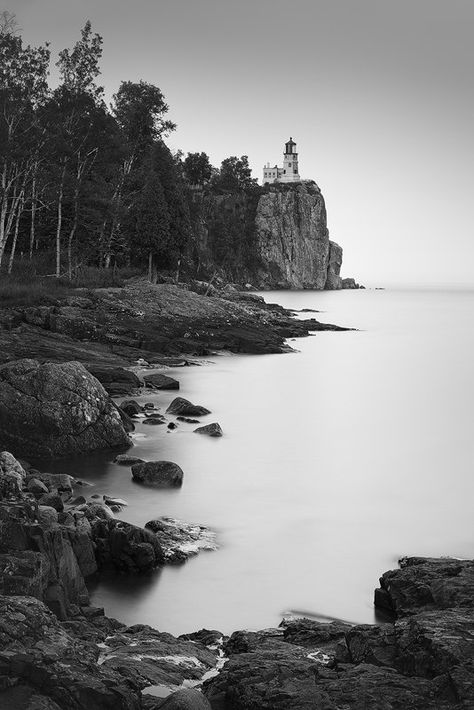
158	473
213	429
180	540
184	407
55	410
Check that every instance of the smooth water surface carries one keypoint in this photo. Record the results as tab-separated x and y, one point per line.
336	461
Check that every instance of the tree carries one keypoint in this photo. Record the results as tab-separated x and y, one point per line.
235	175
79	68
197	168
23	91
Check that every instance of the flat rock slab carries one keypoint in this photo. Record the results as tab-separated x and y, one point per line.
157	381
213	429
160	474
184	407
127	460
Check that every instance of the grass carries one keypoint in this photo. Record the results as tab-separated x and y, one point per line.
30	285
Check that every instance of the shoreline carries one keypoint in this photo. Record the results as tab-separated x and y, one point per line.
424	656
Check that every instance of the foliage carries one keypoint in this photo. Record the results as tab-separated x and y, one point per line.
197	168
234	175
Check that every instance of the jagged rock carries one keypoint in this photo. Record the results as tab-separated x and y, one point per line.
55	410
425	583
52	500
333	280
158	381
187	420
187	699
116	380
213	429
126	547
154	419
12	475
185	408
54	481
350	283
131	407
47	516
127	460
180	540
45	658
158	473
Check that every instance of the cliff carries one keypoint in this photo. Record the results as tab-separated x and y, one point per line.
274	236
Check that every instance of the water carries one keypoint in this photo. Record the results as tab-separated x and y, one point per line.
335	462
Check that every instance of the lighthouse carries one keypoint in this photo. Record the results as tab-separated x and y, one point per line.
289	171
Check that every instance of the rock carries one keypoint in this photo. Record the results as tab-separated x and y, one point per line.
116	380
117	502
52	500
37	487
61	482
47	516
186	408
350	283
12	475
127	460
154	419
148	405
131	407
333	279
126	547
55	410
180	540
213	429
158	473
172	425
187	699
158	381
187	420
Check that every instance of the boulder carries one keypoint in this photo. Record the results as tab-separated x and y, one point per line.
126	547
37	487
12	475
213	429
158	473
55	410
187	699
158	381
130	407
185	408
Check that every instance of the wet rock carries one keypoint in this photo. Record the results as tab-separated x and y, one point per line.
47	516
180	540
12	475
127	460
187	420
158	381
61	482
149	405
53	500
158	473
154	420
184	407
172	426
126	547
325	641
54	410
130	407
350	283
213	429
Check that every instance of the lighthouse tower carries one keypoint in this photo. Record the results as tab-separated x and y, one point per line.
289	171
290	163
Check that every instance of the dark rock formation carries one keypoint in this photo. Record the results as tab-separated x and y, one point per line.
131	407
127	460
55	410
158	473
126	547
116	380
185	408
180	540
333	280
188	699
213	429
158	381
350	283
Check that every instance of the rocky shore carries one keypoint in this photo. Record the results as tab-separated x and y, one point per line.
57	652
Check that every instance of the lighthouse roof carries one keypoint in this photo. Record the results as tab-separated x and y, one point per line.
290	142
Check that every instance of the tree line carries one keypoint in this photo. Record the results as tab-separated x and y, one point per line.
91	183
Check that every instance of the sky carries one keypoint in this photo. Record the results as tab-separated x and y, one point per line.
378	95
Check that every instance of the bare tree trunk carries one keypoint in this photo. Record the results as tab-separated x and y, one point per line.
60	219
150	266
17	225
73	228
33	212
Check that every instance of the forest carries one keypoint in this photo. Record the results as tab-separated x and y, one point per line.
90	187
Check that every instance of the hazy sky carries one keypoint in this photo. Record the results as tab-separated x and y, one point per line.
378	95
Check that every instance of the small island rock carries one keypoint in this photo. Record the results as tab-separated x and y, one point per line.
158	473
213	429
182	406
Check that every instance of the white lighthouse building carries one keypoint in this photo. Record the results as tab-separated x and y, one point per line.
289	171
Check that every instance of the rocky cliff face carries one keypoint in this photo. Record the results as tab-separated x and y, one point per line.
275	237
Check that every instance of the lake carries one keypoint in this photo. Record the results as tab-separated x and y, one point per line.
335	461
